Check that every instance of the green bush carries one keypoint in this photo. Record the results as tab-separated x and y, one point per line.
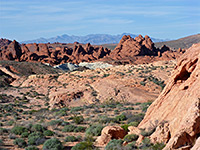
10	123
130	137
94	130
18	130
114	144
54	122
36	138
48	133
20	142
31	148
134	123
136	118
83	146
1	142
125	127
71	139
3	130
69	128
24	134
147	133
78	119
158	146
145	106
146	144
76	109
38	127
79	129
131	146
52	144
121	117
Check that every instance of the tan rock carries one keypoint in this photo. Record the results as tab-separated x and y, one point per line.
196	145
178	104
134	130
110	132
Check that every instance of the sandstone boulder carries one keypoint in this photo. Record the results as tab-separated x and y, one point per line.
110	132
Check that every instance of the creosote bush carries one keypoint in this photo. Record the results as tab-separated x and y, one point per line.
114	144
94	130
52	144
18	130
20	142
130	137
31	148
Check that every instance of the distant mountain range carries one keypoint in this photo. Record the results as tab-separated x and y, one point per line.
95	39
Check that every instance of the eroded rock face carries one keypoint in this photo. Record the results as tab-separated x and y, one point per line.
110	132
176	112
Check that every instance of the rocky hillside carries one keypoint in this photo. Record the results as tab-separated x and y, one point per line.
183	43
175	115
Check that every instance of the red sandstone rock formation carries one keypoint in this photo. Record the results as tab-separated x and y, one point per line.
129	50
140	50
54	54
176	112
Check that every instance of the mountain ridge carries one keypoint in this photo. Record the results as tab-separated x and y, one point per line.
95	39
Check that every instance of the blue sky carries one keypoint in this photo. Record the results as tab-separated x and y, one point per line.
31	19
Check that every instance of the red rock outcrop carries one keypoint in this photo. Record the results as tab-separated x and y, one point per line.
110	132
129	50
4	42
176	112
54	54
140	50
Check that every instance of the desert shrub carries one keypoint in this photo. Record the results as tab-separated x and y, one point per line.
62	112
130	137
85	145
146	144
68	128
24	134
1	142
78	119
131	146
38	127
157	146
105	119
145	106
125	127
71	139
114	144
3	130
36	138
147	133
31	148
136	118
94	130
19	142
54	122
10	123
134	123
48	133
18	130
121	117
52	144
76	109
79	129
